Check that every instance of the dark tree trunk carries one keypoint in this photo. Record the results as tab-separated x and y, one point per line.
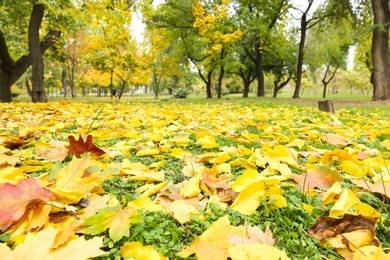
11	71
37	81
122	89
306	24
208	85
260	75
326	82
220	78
380	50
28	88
278	87
301	54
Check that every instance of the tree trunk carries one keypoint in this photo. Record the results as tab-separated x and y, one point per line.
208	85
122	89
220	78
380	50
260	75
37	80
28	88
301	53
278	87
65	87
326	82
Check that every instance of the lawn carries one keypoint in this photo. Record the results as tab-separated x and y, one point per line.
194	178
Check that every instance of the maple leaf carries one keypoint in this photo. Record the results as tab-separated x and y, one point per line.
213	243
114	218
15	198
40	246
321	178
84	144
135	250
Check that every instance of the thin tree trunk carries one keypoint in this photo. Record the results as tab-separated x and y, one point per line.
220	78
37	80
28	88
380	50
300	56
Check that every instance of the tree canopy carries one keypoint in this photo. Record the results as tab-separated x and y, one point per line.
85	47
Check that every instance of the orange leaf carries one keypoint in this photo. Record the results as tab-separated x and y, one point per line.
84	144
337	139
14	142
379	187
15	198
321	179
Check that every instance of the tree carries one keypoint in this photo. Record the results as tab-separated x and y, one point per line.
328	45
306	22
380	50
218	35
109	39
11	70
259	20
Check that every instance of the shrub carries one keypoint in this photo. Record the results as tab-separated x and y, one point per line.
225	92
181	92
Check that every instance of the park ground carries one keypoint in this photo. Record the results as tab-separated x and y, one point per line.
186	178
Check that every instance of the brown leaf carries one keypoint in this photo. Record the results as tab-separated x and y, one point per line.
326	227
84	144
13	142
15	198
322	179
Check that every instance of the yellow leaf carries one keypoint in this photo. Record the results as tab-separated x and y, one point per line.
213	243
180	153
256	251
370	253
182	211
151	189
224	168
331	193
352	169
40	246
249	198
180	140
346	201
191	188
148	176
207	142
145	203
135	250
148	151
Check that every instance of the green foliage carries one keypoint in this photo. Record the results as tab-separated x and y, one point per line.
181	92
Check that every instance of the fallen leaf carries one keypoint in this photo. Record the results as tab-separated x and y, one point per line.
40	246
135	250
321	178
114	218
84	144
15	198
256	251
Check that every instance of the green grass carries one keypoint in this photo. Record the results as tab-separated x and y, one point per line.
289	224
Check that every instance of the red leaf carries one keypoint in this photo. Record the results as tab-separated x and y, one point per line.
84	144
15	198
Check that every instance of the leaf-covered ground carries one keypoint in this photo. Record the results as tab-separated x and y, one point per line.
173	180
